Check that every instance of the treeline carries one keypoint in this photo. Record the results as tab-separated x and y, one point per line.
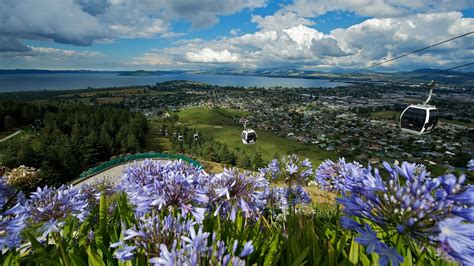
64	140
208	149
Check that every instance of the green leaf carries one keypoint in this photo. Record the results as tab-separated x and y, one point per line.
94	258
408	260
299	260
273	249
36	246
77	260
364	259
10	259
354	252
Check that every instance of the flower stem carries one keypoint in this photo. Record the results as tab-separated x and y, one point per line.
59	242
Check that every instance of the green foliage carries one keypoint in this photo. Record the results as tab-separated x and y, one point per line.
299	239
64	140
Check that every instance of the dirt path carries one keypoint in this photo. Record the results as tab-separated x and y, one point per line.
11	136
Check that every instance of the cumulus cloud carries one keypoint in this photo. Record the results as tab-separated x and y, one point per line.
205	12
280	20
382	38
360	45
82	22
60	20
327	47
208	55
376	8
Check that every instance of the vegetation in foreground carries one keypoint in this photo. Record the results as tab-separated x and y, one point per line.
173	213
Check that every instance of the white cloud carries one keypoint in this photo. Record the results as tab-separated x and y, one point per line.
280	20
82	22
60	20
358	46
151	59
376	8
207	55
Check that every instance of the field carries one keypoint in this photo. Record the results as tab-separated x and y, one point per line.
219	125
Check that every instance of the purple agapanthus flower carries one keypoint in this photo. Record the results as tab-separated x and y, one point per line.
338	176
279	197
50	207
289	168
408	203
176	241
234	190
155	185
388	255
457	239
470	165
11	224
147	235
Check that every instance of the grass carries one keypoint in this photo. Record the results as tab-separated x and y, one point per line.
203	115
219	125
104	100
154	140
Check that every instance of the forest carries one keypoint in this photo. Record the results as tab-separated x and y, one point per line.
63	140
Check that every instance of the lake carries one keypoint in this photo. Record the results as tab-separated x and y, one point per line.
72	81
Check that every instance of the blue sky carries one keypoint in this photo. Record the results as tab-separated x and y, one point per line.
185	34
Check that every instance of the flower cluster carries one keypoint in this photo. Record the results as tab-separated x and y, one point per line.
175	241
470	165
296	174
157	184
232	190
414	206
338	176
21	176
289	168
10	224
280	197
50	207
92	192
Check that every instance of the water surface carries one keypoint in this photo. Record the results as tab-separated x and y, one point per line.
72	81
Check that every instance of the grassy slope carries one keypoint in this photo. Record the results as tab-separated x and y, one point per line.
219	125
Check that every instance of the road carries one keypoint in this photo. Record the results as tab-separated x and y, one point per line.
11	136
114	174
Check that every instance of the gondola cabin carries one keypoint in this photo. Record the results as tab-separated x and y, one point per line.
419	119
249	136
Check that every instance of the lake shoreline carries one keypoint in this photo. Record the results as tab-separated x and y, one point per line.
102	80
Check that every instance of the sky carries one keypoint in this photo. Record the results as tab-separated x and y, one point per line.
319	35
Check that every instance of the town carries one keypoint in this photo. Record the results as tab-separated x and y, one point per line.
358	122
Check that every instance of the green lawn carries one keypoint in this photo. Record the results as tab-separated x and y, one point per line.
218	125
203	115
154	140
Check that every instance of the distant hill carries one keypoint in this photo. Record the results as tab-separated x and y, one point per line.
139	73
122	73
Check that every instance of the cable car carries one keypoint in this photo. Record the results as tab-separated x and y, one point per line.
419	119
180	138
196	137
249	136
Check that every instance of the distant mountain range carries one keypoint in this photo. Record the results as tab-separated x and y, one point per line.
418	75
